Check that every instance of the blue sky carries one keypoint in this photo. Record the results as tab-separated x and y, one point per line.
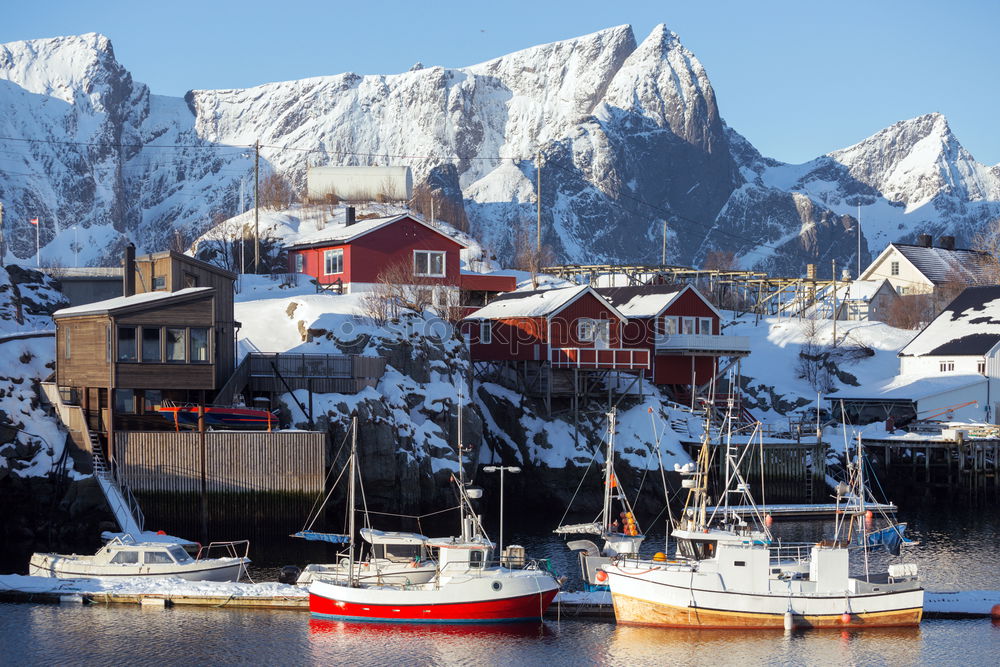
797	79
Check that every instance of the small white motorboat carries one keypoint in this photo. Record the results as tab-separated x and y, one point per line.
394	558
124	557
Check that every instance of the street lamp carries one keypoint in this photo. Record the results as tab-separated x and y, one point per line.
502	470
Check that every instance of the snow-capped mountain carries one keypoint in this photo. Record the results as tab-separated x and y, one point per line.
629	135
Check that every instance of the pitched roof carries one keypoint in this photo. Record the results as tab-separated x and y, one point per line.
861	290
940	265
535	303
347	233
120	302
641	300
968	326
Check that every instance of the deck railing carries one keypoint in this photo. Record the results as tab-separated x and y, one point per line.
631	359
702	343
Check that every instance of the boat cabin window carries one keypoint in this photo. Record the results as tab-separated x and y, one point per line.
476	558
126	558
697	549
398	553
179	554
158	558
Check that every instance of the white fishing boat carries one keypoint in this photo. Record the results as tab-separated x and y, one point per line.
731	574
124	557
621	536
465	586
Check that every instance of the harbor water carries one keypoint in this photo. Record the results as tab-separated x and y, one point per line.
957	551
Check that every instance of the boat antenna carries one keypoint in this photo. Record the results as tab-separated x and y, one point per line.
609	471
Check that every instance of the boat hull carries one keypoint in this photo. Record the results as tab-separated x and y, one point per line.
680	599
68	567
471	602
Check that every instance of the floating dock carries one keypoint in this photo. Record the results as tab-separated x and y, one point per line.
802	510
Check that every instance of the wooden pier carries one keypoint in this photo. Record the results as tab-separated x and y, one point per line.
959	463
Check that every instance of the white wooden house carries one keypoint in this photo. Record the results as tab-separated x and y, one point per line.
921	268
950	370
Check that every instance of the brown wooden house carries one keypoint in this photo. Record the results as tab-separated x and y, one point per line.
174	340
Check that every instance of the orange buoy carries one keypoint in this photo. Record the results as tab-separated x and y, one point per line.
601	576
768	520
161	532
661	557
995	611
845	618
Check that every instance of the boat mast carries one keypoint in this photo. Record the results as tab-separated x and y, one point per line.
609	472
461	470
350	501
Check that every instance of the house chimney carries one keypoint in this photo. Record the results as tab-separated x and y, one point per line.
924	240
947	242
845	274
349	215
128	271
810	271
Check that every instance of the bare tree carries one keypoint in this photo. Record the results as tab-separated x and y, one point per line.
432	204
275	192
721	260
911	311
397	289
813	364
528	256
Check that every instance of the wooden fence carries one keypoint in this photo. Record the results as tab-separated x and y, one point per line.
235	461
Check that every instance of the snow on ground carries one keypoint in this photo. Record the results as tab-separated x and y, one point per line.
775	344
147	586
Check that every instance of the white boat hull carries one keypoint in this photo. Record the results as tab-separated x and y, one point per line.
679	597
81	567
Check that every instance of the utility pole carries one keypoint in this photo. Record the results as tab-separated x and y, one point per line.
834	302
538	201
256	206
663	255
3	245
859	242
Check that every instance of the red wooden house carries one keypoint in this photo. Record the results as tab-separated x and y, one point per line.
565	328
354	256
679	327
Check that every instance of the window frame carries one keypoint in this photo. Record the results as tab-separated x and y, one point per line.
428	254
981	366
68	343
159	345
300	263
894	268
586	330
711	326
208	345
946	366
327	256
486	332
166	345
135	344
161	281
671	322
688	320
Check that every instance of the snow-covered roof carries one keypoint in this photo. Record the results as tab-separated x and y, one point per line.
120	302
348	233
941	265
861	290
909	387
536	303
968	326
641	300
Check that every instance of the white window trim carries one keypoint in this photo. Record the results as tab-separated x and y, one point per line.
701	324
327	253
429	274
486	332
694	324
667	319
894	268
300	262
946	366
586	331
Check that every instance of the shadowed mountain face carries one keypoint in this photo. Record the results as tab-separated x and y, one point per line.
629	136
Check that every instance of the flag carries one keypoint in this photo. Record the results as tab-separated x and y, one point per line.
33	221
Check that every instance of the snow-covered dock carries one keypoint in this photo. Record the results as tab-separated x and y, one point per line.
140	590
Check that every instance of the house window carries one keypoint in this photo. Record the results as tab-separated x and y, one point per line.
894	268
107	343
124	401
705	326
485	332
946	366
199	345
159	282
688	324
190	280
901	291
981	367
428	263
126	344
585	331
333	261
175	345
300	262
151	344
67	343
669	325
152	399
